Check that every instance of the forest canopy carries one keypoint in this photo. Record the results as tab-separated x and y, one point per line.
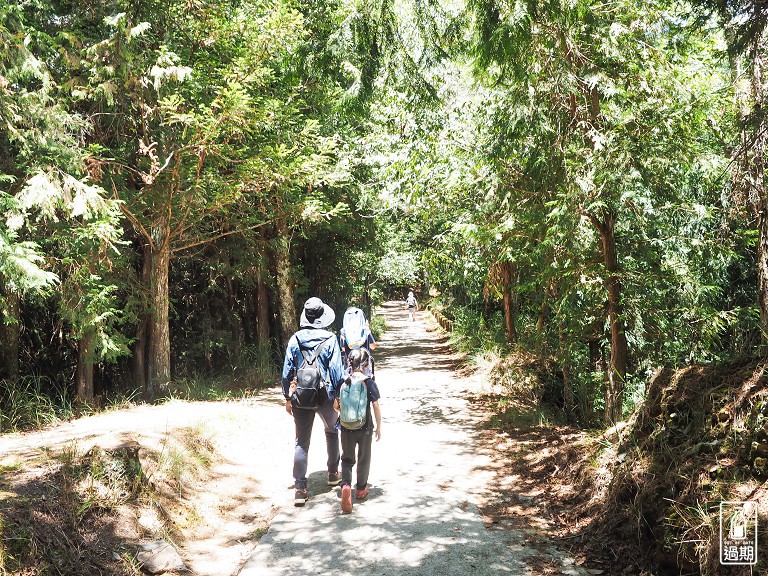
582	181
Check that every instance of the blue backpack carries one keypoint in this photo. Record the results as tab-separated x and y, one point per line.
353	401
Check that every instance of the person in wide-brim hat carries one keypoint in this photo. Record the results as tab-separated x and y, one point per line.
311	348
316	314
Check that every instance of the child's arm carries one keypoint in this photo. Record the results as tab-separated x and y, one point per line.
377	415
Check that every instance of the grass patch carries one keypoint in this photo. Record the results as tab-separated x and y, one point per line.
516	416
257	370
84	513
378	325
25	404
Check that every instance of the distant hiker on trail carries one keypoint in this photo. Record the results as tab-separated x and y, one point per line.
356	333
412	305
311	372
357	395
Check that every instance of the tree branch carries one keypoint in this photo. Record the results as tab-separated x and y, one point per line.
216	237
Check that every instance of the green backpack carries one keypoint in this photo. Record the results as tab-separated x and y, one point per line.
353	401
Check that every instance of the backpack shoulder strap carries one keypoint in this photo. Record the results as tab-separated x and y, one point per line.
315	352
364	380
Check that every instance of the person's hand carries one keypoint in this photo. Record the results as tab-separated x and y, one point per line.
378	433
336	405
291	390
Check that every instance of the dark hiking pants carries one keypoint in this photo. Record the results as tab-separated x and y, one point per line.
360	439
304	418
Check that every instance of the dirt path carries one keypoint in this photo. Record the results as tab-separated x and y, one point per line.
429	473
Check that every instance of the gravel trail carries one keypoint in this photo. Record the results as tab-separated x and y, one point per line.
428	474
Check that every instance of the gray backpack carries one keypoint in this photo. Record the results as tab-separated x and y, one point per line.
310	387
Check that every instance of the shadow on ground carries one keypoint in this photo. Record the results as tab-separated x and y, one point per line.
429	472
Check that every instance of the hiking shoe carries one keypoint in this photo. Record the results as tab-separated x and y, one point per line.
301	497
334	478
346	499
362	494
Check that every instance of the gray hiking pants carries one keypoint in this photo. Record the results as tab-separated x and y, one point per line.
360	439
304	418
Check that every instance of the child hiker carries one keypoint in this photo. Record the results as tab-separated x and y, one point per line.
355	398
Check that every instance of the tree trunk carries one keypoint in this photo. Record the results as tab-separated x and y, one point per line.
752	165
233	321
84	372
509	316
159	361
141	344
262	313
262	296
508	285
596	360
367	302
617	369
569	399
487	304
565	362
10	335
762	273
287	310
597	365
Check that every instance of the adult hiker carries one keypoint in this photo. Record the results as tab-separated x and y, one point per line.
356	333
312	370
412	305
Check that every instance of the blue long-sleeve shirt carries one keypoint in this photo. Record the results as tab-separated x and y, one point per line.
329	359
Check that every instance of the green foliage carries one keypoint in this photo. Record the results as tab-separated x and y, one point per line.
378	325
475	334
27	404
481	154
578	114
399	265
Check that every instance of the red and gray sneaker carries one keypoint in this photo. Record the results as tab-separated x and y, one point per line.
301	497
334	478
346	499
362	494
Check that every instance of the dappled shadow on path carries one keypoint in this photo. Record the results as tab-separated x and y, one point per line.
428	474
423	534
407	346
223	500
415	365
